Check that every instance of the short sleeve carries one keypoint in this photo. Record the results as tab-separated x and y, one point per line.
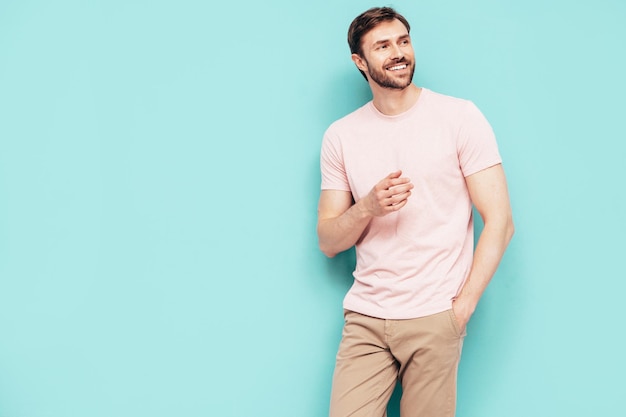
332	165
476	143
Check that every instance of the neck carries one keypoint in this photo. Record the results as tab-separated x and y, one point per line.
392	102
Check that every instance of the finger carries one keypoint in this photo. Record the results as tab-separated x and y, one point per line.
397	206
390	185
401	188
399	192
395	174
392	194
396	198
398	180
388	180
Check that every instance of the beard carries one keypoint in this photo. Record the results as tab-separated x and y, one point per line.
383	79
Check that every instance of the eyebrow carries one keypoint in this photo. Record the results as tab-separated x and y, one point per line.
401	38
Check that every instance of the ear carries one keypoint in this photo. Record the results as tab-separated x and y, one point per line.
359	62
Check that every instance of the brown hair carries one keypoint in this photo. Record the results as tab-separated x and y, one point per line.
367	21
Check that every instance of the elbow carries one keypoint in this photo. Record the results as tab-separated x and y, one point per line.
324	244
329	252
510	229
502	227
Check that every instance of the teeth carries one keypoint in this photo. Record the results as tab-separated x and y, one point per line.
397	67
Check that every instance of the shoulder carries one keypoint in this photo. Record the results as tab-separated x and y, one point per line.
451	109
447	103
351	121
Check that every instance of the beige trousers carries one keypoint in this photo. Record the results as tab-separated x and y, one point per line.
423	354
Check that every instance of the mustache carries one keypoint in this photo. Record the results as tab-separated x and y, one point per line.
402	60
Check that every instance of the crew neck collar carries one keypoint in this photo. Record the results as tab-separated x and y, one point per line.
404	114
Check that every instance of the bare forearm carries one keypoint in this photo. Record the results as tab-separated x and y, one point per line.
341	233
342	223
492	243
489	195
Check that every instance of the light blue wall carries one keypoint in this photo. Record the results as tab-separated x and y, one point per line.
158	189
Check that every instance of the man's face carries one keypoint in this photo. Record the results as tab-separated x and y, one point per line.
387	57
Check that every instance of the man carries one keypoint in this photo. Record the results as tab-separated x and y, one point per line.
399	177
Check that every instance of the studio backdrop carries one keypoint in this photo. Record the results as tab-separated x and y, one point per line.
159	177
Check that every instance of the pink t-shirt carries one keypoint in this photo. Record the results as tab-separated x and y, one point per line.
411	263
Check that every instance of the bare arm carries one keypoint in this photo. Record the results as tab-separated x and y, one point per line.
489	195
340	223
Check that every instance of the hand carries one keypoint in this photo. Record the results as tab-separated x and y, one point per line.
463	312
389	195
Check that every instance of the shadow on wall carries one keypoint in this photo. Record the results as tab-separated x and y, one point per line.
346	93
497	323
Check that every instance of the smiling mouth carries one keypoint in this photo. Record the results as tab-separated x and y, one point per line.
397	67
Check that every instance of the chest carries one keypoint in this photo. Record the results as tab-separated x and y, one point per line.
426	154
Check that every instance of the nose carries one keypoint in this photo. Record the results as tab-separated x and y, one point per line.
397	52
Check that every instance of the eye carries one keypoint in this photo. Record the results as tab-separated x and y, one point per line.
382	46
